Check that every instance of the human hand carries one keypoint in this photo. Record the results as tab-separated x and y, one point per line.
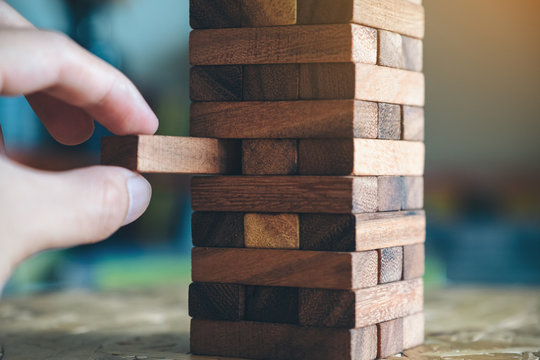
67	87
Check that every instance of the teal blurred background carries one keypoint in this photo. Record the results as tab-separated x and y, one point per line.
482	66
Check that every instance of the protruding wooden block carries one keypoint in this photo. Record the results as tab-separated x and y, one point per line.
284	45
400	16
389	121
413	196
268	12
216	83
357	308
400	51
216	301
171	154
277	231
413	123
365	82
285	194
413	330
269	157
271	82
413	261
360	157
390	264
390	338
207	14
285	119
217	229
390	193
292	268
361	231
272	304
281	341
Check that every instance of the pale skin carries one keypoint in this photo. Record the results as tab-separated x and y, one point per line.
68	88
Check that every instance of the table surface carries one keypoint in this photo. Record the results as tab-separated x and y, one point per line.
461	323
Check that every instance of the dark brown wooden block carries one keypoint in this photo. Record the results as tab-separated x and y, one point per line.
284	119
389	121
269	157
413	330
413	197
216	301
217	229
413	261
390	193
268	12
357	308
284	45
413	123
390	338
272	304
285	194
216	83
400	51
291	268
390	264
400	16
271	82
206	14
256	340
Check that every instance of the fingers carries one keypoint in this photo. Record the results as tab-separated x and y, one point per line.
11	18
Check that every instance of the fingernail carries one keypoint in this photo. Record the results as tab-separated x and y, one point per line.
140	193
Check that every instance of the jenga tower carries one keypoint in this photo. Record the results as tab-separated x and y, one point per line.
311	246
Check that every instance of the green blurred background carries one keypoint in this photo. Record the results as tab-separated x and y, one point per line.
482	66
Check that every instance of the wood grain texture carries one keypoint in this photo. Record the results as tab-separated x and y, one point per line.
413	123
281	341
267	12
400	51
217	229
413	261
269	157
283	45
292	268
284	119
207	14
216	83
361	232
413	330
390	193
413	192
272	304
285	194
216	301
389	121
400	16
170	154
358	308
390	338
277	231
360	157
366	82
271	82
390	264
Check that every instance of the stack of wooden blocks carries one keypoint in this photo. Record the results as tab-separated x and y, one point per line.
312	245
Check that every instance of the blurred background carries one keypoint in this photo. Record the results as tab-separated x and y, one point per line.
482	66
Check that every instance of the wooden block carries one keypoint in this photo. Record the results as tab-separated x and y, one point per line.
216	83
285	194
217	229
390	338
272	304
399	16
292	268
284	45
413	196
413	330
277	231
390	193
360	157
358	308
170	154
284	119
206	14
390	264
361	232
400	51
271	82
413	261
216	301
269	157
281	341
268	12
389	121
366	82
413	123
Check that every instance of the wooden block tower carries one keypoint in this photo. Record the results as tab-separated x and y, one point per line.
310	242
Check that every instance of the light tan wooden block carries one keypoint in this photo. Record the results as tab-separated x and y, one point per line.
278	231
257	13
400	51
413	192
390	193
269	157
170	154
413	261
292	268
389	338
390	264
360	157
283	45
413	123
413	330
389	121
